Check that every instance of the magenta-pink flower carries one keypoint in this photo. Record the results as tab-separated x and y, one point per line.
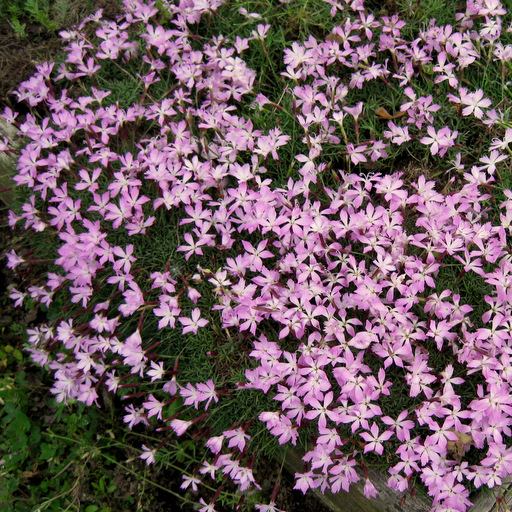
148	455
193	323
369	489
180	426
439	141
237	437
193	247
356	153
475	101
374	440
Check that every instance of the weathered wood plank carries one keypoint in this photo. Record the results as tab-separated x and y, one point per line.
355	501
486	500
390	501
7	164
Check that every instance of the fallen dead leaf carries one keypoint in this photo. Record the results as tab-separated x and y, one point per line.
461	446
382	113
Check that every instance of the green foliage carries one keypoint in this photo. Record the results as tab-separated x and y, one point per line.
56	457
51	15
19	28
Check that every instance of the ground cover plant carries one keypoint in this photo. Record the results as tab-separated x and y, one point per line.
39	18
233	224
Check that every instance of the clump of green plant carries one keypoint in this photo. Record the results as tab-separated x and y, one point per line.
51	15
67	457
230	255
57	457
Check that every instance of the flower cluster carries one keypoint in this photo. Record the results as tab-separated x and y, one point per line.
350	285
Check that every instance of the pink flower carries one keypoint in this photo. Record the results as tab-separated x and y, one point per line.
190	481
475	102
206	392
269	143
206	507
215	443
355	111
356	154
375	440
236	438
157	371
304	481
440	141
271	507
17	296
490	161
192	247
180	426
296	55
398	134
148	455
322	411
13	260
369	490
171	386
154	407
135	416
125	258
168	311
192	324
260	32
